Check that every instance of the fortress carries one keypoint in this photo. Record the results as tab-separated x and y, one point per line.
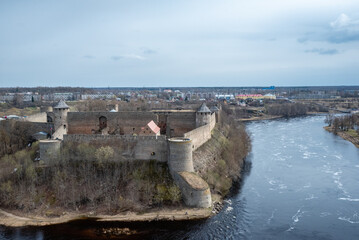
168	136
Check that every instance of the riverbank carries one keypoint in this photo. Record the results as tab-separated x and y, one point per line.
266	117
12	220
345	135
272	117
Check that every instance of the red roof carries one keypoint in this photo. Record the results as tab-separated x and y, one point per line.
152	125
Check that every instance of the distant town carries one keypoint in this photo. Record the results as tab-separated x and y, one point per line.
158	96
173	94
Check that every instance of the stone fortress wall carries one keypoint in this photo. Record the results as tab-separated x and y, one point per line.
177	122
38	117
201	134
182	132
116	122
129	146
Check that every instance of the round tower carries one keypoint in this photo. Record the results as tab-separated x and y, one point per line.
203	115
180	155
60	112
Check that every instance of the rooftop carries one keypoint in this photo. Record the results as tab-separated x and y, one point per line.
172	110
204	109
214	109
194	180
152	125
61	104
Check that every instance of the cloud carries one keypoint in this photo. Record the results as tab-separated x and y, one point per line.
128	56
342	21
134	56
302	39
344	29
343	37
341	30
89	56
322	51
148	51
116	58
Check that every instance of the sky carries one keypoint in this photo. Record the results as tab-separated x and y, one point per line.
187	43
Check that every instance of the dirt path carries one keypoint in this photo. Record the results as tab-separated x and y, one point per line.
11	220
10	215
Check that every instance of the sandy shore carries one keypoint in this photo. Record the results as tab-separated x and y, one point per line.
11	220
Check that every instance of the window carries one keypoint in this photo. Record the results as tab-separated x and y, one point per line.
102	122
153	153
49	119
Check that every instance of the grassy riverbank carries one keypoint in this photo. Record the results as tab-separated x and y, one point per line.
350	135
345	126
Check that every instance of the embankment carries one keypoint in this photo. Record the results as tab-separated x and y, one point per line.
345	135
219	161
178	214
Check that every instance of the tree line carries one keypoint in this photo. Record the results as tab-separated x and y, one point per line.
287	109
342	123
84	177
14	136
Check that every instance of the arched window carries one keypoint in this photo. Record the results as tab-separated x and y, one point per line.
103	122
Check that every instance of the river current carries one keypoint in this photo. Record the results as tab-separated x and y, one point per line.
300	182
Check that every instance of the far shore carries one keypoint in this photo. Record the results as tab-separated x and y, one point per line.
11	220
345	136
258	118
271	117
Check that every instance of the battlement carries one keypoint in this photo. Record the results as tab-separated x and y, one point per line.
181	133
99	137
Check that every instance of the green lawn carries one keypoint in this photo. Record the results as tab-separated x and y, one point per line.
352	133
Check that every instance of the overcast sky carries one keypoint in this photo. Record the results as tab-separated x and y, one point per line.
179	43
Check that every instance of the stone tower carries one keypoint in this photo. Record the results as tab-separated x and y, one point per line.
180	155
60	121
203	115
195	191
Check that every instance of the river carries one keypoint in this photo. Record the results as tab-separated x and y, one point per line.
300	182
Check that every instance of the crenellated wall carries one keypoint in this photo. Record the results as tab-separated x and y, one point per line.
117	122
176	122
134	147
38	117
202	134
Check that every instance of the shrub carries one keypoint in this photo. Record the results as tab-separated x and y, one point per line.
104	153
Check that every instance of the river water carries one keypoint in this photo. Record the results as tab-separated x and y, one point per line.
300	182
